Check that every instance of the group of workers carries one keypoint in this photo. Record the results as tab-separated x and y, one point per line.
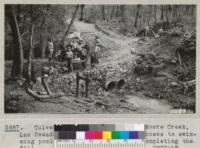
76	50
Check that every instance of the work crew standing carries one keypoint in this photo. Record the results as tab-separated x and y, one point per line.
69	58
50	47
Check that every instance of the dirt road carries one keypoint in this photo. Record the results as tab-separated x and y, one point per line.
84	27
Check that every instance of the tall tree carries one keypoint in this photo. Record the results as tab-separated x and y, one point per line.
155	13
137	16
44	34
30	54
103	12
17	66
44	39
72	20
82	8
123	13
112	12
166	12
162	12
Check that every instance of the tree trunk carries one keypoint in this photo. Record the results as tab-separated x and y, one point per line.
155	11
44	34
137	15
170	13
72	20
44	41
117	10
193	10
82	8
162	12
30	55
103	12
122	13
112	12
17	66
167	18
108	13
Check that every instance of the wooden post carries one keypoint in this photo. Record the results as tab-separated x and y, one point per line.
77	83
86	79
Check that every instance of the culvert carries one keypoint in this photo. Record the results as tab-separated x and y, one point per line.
114	83
120	83
110	85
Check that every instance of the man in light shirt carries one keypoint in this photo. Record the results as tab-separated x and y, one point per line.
50	47
69	57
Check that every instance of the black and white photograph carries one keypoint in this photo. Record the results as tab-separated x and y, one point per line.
100	59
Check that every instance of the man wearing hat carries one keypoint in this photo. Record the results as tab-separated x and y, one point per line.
69	57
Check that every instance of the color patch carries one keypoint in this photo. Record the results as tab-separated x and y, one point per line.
82	127
115	135
80	135
133	135
97	135
141	135
124	135
89	135
107	135
67	135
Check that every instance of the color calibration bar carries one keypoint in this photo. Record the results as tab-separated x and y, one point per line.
99	132
99	136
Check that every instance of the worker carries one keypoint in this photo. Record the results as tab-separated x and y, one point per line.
62	53
50	47
84	57
94	55
69	57
160	31
96	51
76	49
87	47
80	47
147	30
92	58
